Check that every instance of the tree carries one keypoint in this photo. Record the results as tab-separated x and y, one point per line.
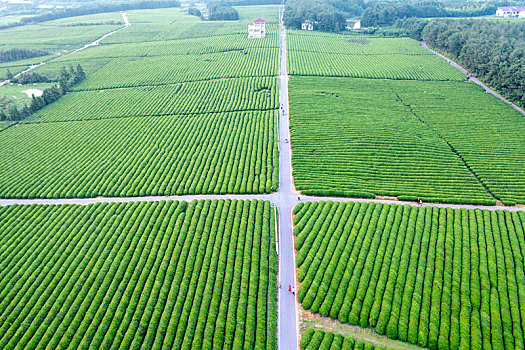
9	75
79	74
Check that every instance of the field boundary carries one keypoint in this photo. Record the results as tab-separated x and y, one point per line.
272	197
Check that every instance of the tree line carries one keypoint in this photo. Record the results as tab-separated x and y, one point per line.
327	15
16	54
66	79
91	9
492	50
387	13
221	11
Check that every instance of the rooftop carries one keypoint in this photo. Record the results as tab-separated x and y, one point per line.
259	21
512	8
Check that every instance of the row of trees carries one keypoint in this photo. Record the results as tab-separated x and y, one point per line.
66	80
220	11
16	54
492	50
387	13
329	15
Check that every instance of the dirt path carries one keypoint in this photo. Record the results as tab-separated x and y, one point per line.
367	335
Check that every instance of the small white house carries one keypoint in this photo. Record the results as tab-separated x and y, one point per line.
307	25
511	11
257	29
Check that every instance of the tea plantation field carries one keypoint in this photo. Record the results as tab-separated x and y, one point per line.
218	96
140	274
55	37
171	105
407	139
332	55
437	277
205	153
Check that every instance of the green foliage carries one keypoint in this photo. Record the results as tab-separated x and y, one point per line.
327	15
221	11
150	274
492	51
434	277
329	55
386	13
205	153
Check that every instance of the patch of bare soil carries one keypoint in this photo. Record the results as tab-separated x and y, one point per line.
367	335
388	198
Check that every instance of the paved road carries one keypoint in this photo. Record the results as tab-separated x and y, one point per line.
288	315
474	79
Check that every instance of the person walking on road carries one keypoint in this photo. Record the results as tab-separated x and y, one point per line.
293	290
289	288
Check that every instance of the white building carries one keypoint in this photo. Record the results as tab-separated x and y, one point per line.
257	29
307	25
511	11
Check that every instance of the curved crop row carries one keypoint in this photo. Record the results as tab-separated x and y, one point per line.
439	278
143	274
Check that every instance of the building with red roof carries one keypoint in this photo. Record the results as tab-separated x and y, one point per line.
511	11
257	29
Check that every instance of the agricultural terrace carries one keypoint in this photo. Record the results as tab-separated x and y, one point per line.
318	339
435	277
442	141
170	105
139	274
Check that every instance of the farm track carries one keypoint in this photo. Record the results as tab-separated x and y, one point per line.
474	79
276	198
